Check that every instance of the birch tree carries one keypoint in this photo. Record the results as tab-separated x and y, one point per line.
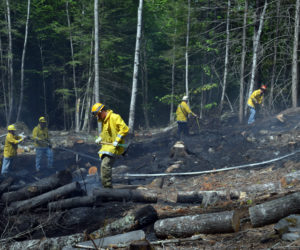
226	56
173	70
187	50
256	41
22	61
96	54
241	106
136	67
295	57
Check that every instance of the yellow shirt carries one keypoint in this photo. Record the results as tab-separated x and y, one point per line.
182	112
11	145
113	129
255	98
40	137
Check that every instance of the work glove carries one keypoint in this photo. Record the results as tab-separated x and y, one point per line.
20	140
22	135
115	143
98	140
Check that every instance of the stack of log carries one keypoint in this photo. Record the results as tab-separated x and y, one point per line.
58	192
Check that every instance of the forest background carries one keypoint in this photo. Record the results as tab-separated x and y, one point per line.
216	52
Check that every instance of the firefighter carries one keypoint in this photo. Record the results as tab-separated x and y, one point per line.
42	143
254	100
182	113
10	148
113	131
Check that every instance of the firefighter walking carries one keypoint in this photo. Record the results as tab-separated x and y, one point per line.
113	131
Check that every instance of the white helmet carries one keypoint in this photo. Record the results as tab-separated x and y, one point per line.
185	98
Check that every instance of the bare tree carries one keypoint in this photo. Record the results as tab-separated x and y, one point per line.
241	113
135	68
96	52
295	57
173	70
275	55
22	63
256	41
10	66
43	76
187	49
2	78
226	56
77	99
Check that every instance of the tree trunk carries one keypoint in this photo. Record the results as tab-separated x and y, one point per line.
145	81
223	222
39	187
173	70
226	57
133	221
2	66
20	206
187	50
44	83
125	194
10	66
82	201
295	57
241	108
272	211
96	54
135	68
22	63
77	101
256	42
5	184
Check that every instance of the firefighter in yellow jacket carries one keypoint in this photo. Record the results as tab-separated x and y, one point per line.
182	112
42	144
255	99
10	148
113	131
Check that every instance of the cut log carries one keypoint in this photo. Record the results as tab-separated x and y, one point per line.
136	220
82	201
272	211
119	240
5	184
138	195
223	222
206	197
44	185
42	199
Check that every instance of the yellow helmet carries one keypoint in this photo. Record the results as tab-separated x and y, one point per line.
11	127
97	107
42	119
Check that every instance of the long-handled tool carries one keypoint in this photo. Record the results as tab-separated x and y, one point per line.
119	145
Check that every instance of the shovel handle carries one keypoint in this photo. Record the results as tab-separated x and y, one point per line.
119	145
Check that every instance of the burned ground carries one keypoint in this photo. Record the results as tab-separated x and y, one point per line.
218	145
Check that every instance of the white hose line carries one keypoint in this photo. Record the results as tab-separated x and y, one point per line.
211	171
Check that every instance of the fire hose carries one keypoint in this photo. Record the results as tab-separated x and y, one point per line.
211	171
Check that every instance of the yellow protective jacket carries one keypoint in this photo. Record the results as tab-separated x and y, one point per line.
11	145
113	129
182	112
40	137
255	98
